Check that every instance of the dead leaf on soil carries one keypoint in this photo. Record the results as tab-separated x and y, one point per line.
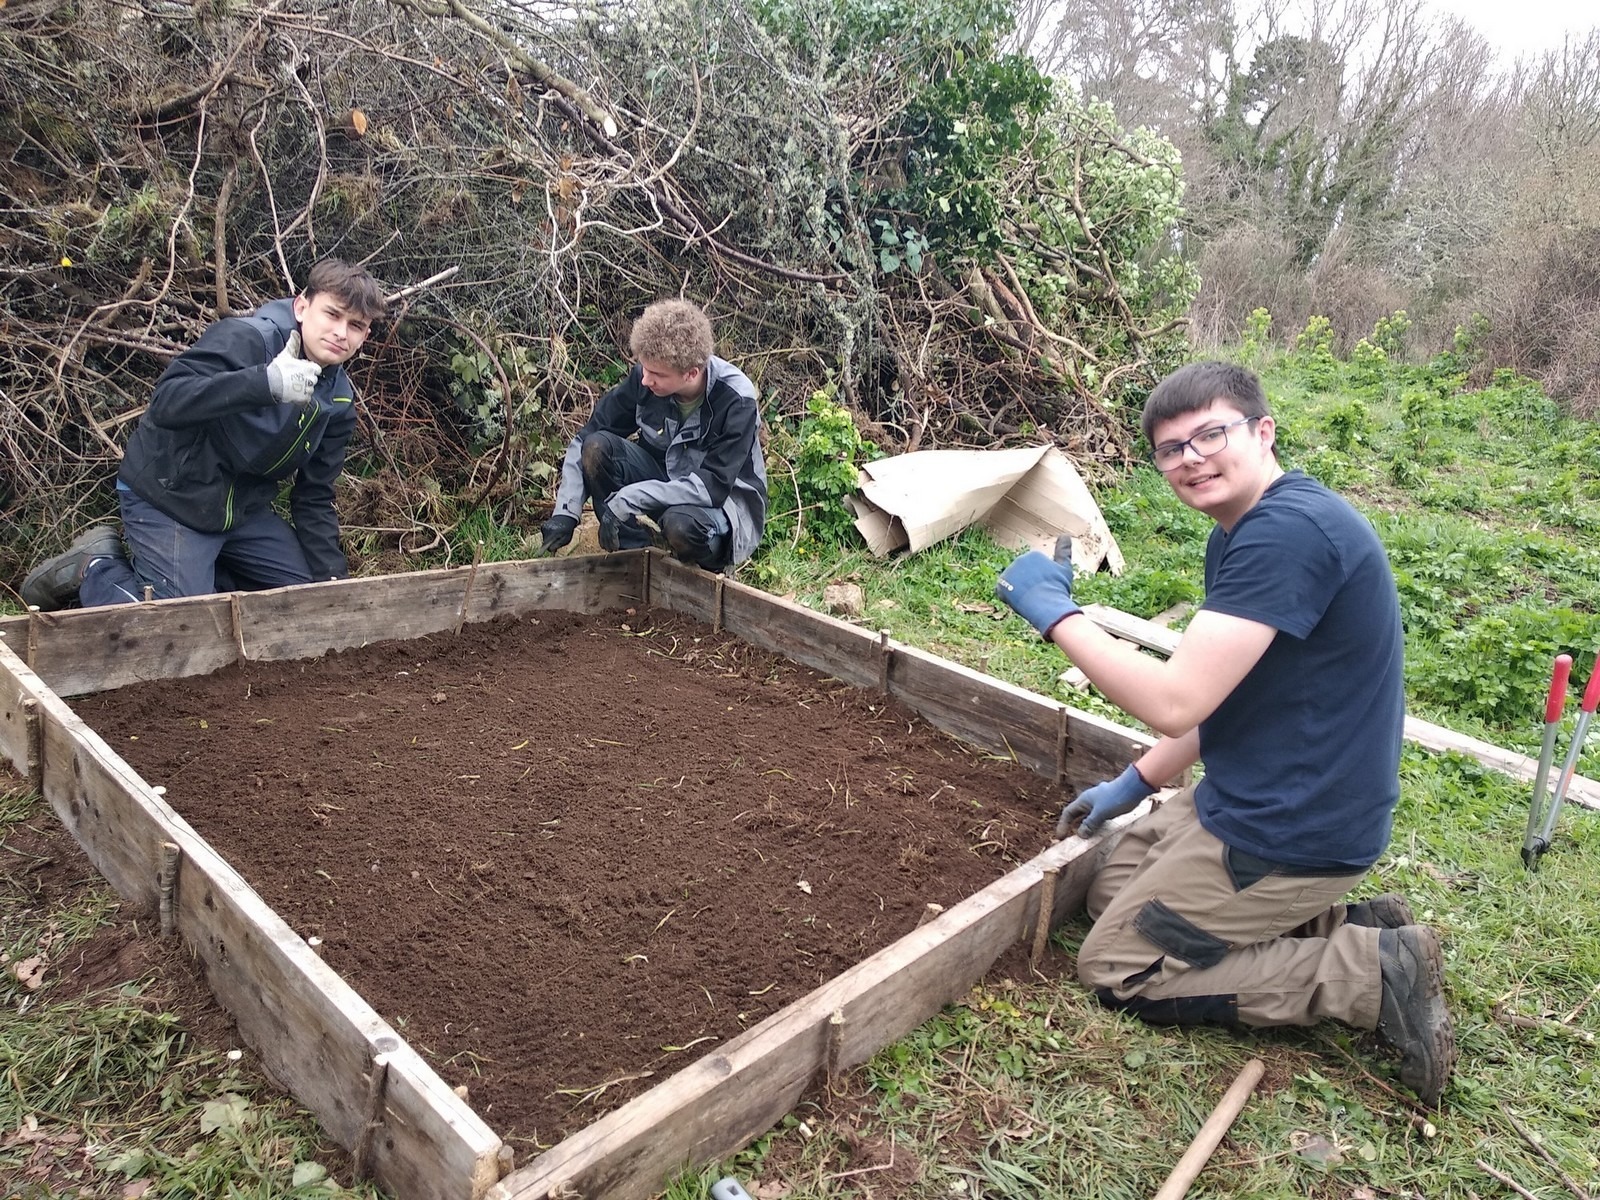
133	1189
769	1191
804	887
30	972
960	606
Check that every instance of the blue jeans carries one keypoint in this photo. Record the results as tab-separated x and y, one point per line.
171	559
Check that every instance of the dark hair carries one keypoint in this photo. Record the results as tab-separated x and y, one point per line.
1196	387
353	287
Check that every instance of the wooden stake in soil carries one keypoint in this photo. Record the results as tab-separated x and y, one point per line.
885	656
149	593
645	586
505	1159
167	882
929	913
33	632
236	614
1063	732
472	578
1047	908
35	728
835	1049
377	1083
716	607
314	944
1210	1136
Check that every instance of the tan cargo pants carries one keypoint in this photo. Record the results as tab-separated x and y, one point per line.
1188	930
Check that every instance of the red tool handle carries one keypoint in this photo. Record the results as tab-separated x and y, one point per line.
1558	689
1591	694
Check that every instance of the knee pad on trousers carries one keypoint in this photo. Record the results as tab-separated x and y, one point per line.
1176	1010
682	532
593	454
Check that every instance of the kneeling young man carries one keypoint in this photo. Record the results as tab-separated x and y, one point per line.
256	401
1226	904
678	442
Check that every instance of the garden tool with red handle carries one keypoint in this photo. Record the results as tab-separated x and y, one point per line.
1542	821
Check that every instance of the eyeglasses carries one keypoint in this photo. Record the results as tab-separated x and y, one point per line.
1169	455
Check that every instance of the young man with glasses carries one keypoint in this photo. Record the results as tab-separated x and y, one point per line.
1226	904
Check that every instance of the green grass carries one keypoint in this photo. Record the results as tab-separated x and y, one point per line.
107	1095
1488	503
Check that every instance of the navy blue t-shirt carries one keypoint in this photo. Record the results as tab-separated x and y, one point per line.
1303	758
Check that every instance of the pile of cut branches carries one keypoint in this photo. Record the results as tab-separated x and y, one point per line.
910	219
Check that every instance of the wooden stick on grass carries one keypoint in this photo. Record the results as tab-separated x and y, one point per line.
1210	1136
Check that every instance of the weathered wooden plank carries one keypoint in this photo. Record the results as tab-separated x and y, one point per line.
85	650
89	650
977	708
1582	790
1012	721
686	590
844	651
309	1027
307	621
717	1105
1429	736
13	718
981	710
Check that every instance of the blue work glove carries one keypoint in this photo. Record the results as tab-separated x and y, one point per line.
1097	805
1038	589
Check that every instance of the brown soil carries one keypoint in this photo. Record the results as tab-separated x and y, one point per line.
567	856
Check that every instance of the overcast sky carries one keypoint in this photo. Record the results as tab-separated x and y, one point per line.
1524	26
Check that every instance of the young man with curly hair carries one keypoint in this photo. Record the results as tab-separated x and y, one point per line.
1228	903
257	401
676	442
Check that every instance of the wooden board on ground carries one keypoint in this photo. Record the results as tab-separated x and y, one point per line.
93	650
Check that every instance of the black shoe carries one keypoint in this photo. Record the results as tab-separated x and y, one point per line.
54	583
1388	911
1412	1015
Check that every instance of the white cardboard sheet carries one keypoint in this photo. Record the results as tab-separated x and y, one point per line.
1026	497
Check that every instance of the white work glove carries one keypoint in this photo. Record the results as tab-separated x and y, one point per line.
290	378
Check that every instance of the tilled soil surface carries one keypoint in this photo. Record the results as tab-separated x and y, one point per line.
567	856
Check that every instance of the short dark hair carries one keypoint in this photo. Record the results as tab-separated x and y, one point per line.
1196	387
351	286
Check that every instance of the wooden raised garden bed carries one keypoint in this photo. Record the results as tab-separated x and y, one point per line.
374	1092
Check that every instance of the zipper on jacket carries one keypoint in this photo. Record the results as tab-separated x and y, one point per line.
308	420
